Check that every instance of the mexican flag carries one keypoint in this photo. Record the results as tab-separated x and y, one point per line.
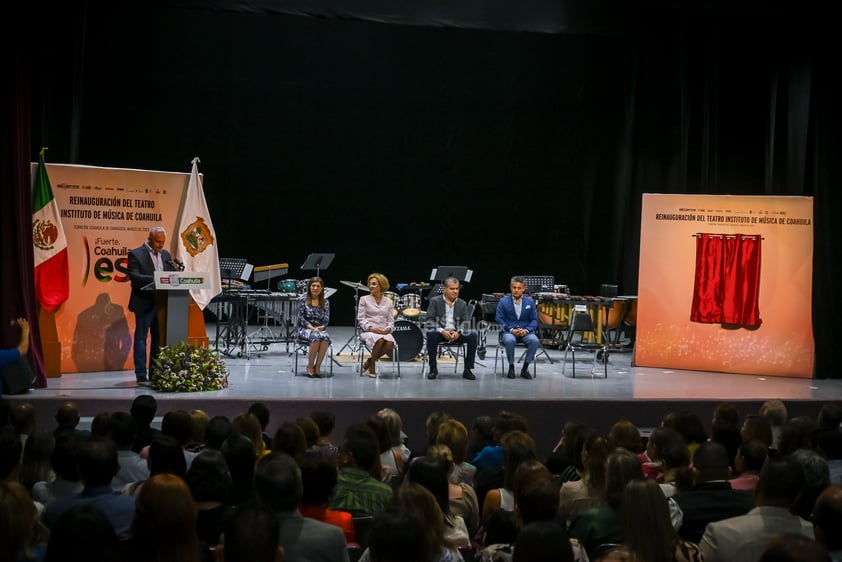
52	280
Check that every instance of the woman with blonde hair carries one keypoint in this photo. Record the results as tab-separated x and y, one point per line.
397	456
376	320
164	526
313	318
454	435
461	496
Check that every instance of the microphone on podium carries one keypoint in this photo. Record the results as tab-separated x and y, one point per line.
177	264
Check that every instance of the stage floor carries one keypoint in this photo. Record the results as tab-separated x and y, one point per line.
639	393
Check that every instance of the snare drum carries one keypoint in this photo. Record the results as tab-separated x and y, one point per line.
395	301
411	305
409	338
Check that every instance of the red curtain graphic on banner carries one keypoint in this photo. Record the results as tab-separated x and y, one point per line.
727	280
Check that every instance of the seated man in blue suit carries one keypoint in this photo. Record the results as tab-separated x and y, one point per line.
517	317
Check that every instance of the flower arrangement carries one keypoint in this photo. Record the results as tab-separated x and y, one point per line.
188	368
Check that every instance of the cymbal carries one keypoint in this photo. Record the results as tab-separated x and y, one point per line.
355	285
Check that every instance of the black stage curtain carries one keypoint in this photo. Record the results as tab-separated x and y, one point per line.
512	138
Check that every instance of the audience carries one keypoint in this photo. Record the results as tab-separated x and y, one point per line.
143	410
227	507
261	412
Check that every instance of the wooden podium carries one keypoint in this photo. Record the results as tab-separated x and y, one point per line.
181	311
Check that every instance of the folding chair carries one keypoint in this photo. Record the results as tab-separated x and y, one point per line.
395	358
582	325
500	352
303	347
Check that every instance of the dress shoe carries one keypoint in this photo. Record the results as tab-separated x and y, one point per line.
525	374
511	374
372	375
433	374
467	374
143	382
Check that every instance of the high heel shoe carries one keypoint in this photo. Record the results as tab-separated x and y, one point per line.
366	365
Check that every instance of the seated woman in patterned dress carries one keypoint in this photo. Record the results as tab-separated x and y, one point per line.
313	318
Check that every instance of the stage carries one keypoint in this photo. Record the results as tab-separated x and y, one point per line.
640	394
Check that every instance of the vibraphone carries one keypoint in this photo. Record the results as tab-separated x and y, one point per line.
232	312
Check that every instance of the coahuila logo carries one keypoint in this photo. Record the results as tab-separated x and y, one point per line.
112	262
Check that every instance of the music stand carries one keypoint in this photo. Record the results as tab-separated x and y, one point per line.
234	268
317	262
442	272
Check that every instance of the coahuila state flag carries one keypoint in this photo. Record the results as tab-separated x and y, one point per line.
197	239
52	279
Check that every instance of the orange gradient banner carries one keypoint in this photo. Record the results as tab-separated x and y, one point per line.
783	344
106	212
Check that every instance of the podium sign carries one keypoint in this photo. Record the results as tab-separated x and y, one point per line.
178	285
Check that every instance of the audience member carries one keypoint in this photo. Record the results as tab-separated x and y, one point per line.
829	445
730	437
164	526
261	412
543	541
691	428
311	433
210	486
749	462
580	495
165	456
277	484
83	534
518	447
815	478
22	535
626	435
482	435
248	425
827	520
200	427
67	420
252	534
796	434
99	425
711	498
238	451
357	490
432	473
397	536
23	420
290	440
394	432
792	547
327	423
35	462
745	537
601	525
757	427
122	430
830	416
318	479
462	497
65	465
179	424
647	531
726	412
143	410
218	430
561	461
454	435
775	412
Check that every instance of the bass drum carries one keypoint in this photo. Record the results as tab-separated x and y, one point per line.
409	338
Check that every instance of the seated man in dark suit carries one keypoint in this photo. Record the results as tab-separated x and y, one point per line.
448	321
711	498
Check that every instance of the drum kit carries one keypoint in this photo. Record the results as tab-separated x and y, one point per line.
409	319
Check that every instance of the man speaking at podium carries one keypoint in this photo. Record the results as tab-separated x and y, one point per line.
143	263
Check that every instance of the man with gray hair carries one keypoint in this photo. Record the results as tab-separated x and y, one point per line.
143	263
449	322
277	484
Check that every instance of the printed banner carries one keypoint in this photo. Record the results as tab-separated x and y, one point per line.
725	284
106	212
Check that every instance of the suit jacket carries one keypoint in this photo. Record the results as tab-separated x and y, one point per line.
142	273
747	536
308	540
437	314
709	502
508	320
